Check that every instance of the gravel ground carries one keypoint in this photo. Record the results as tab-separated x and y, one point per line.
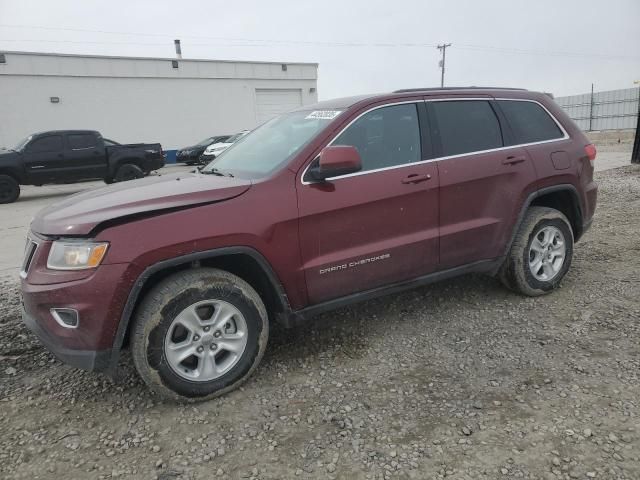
459	380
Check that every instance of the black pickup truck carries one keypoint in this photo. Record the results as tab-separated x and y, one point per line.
70	156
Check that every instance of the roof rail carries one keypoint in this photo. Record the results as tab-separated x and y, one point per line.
429	89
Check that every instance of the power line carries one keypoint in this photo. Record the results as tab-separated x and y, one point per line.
254	42
234	39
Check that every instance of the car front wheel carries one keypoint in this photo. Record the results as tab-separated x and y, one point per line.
541	253
9	189
199	334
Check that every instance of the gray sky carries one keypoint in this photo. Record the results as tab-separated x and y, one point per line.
362	46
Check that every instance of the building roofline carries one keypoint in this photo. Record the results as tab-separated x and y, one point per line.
122	57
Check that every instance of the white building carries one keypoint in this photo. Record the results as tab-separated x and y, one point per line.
176	102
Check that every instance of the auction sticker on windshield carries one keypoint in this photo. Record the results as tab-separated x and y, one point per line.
324	114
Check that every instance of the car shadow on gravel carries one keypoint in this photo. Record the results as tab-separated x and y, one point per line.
345	335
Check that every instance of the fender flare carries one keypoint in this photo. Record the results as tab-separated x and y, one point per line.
564	187
13	173
134	293
116	163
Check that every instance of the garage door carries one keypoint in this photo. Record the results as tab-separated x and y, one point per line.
272	102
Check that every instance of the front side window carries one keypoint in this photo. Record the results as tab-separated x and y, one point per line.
78	141
529	121
385	137
466	126
51	143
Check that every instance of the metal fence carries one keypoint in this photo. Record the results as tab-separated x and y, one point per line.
610	110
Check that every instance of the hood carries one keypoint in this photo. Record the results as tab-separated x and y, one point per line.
8	155
193	147
79	214
215	146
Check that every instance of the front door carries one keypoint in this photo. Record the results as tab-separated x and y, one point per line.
44	159
377	226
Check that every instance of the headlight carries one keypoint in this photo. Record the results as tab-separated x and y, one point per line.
69	255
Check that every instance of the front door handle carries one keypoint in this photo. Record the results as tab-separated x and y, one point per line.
512	160
415	178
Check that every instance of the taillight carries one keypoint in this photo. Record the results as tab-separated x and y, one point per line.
590	150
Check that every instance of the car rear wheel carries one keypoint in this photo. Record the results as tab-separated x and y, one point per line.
199	334
9	189
128	171
541	253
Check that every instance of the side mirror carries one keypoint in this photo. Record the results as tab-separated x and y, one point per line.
335	161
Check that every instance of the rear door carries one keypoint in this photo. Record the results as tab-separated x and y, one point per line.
85	155
44	159
482	182
377	226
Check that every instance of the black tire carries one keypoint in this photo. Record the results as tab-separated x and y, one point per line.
9	189
516	273
128	171
163	304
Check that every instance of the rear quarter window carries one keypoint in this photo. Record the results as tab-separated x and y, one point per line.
529	121
79	141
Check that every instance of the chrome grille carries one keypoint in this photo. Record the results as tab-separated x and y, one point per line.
29	252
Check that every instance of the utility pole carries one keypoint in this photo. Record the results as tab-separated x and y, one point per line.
443	49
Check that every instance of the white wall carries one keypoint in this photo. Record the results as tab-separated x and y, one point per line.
144	101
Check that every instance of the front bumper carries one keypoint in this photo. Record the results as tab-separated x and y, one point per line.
204	158
98	360
99	300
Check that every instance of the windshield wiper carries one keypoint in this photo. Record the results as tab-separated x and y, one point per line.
215	171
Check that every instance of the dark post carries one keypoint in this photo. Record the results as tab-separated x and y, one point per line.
591	110
635	154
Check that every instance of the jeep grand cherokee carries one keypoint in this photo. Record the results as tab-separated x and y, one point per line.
327	205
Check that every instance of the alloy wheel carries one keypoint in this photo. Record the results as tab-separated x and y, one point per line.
547	253
206	340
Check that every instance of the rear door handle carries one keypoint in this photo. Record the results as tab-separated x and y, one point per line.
415	178
512	160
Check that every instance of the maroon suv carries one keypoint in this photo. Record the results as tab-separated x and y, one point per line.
327	205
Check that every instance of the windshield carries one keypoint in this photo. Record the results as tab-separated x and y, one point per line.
21	144
271	145
206	142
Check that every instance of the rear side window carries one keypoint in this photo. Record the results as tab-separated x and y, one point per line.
52	143
385	137
465	126
529	121
78	141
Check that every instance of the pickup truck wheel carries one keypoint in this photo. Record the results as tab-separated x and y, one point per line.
128	171
541	253
199	334
9	189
